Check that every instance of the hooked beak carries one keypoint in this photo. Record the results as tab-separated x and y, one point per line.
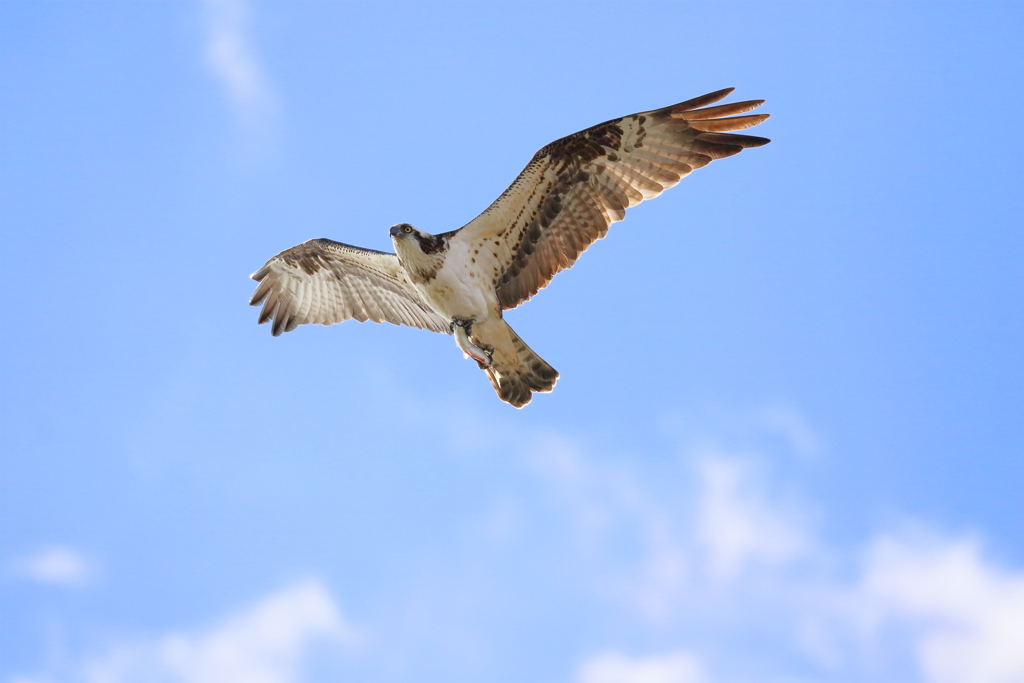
396	231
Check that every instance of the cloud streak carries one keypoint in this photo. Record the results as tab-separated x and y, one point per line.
233	61
737	524
613	667
56	565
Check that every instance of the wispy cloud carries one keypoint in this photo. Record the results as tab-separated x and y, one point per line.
613	667
232	59
607	503
266	643
720	518
738	524
57	565
791	424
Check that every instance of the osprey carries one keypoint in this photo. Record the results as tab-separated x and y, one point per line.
459	282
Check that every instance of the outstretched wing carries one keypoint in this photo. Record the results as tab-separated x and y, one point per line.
574	188
326	282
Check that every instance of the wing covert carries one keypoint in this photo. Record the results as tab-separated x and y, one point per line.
326	282
576	187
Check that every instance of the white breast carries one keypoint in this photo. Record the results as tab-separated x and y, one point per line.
459	290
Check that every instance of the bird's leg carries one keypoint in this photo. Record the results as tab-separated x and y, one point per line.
462	328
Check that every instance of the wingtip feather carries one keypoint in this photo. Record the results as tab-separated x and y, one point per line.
727	124
733	140
262	290
702	101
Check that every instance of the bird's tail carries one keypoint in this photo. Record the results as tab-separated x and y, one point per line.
515	370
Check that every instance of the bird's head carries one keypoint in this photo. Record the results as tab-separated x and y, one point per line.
404	230
405	237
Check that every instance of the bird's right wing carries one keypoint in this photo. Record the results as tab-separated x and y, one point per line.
327	282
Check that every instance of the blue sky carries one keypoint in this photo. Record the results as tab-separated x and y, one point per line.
786	443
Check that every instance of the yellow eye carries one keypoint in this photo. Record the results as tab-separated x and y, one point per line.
407	229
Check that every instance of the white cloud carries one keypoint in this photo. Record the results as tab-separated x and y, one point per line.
738	524
607	503
612	667
266	643
232	59
56	565
968	614
719	514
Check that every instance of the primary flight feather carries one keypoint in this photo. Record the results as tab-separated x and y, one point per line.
459	282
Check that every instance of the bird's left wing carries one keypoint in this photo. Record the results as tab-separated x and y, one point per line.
326	282
575	187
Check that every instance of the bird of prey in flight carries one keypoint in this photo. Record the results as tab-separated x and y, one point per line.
459	282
